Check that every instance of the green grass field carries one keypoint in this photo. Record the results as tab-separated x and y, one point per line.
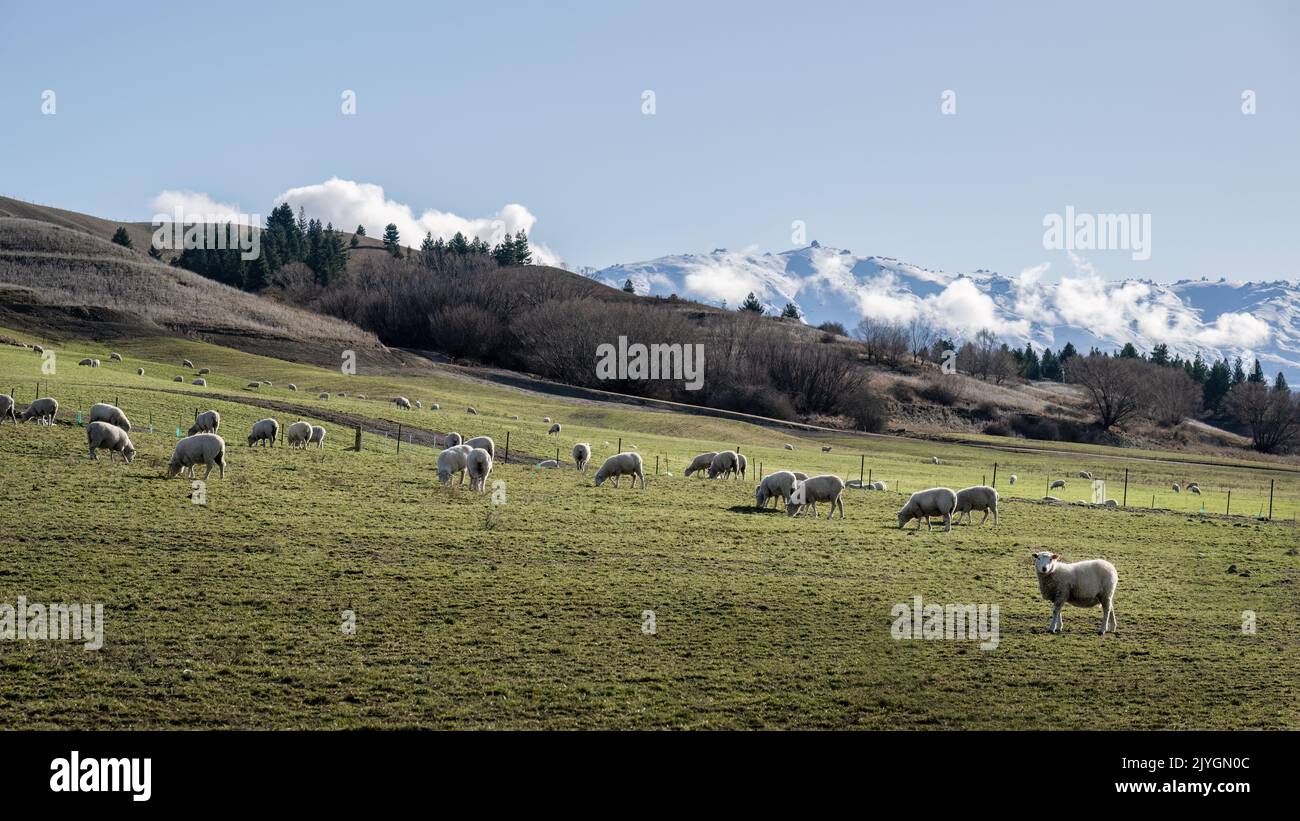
530	613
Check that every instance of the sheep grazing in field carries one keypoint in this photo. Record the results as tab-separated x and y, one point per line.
317	436
418	404
826	448
935	501
201	449
1013	478
298	434
111	438
178	379
1082	584
514	417
478	465
202	383
1059	483
581	455
293	387
104	412
402	403
94	363
555	428
1083	474
806	494
359	396
1177	488
774	486
788	446
978	497
484	442
724	464
621	464
1111	503
323	395
451	440
253	386
115	357
206	422
549	463
204	371
264	431
699	463
86	363
38	349
452	461
1195	489
934	460
742	464
546	420
471	411
185	363
342	395
878	485
433	406
7	408
139	371
42	410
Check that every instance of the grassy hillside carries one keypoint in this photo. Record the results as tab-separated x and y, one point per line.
529	613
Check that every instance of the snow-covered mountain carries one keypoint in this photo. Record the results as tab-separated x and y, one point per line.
1216	317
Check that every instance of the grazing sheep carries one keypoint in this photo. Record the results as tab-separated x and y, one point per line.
418	404
978	497
773	486
1194	489
546	420
115	357
621	464
936	501
38	349
1013	478
1083	474
789	446
253	386
471	411
342	395
111	438
202	449
1059	483
293	387
94	363
402	402
484	442
451	440
433	406
1177	489
1111	503
202	383
452	461
298	434
178	379
934	460
723	464
206	422
581	455
139	371
43	410
7	408
878	485
514	417
699	463
826	448
549	463
824	488
359	396
185	363
317	436
555	428
204	371
88	363
323	395
478	464
741	464
264	431
800	475
1082	584
104	412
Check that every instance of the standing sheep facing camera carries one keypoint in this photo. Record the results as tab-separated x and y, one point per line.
44	410
139	371
7	408
206	422
451	440
264	430
621	464
701	463
1082	584
317	436
104	412
452	461
202	449
111	438
824	488
936	501
478	464
581	455
979	497
484	442
723	464
555	428
298	434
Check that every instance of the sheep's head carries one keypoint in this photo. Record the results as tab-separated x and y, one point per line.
600	477
905	515
128	452
760	497
1045	562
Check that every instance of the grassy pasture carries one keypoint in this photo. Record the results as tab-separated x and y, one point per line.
529	614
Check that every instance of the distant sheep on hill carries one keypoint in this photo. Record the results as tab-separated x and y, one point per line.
185	363
402	403
115	357
139	371
555	428
700	463
1056	484
202	383
178	379
317	436
204	371
471	411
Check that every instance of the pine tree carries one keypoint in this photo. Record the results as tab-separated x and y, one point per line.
790	311
428	257
258	275
1129	352
504	253
1238	372
1160	354
1257	375
1217	384
1050	366
751	304
361	231
627	286
392	240
458	244
1030	367
122	238
1280	383
154	253
523	255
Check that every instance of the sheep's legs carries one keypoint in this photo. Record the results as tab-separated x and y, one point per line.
947	522
1055	625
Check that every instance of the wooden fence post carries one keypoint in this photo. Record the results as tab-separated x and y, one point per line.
507	446
862	464
995	474
1125	487
1270	499
357	446
399	438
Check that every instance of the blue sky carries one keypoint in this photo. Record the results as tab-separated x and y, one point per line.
766	113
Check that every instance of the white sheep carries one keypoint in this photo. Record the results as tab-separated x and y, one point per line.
401	402
38	349
293	387
478	464
111	438
547	464
116	357
800	475
1082	584
471	411
824	488
452	461
298	434
699	463
1058	483
317	436
264	431
1052	499
323	395
1111	503
418	404
935	501
207	422
342	395
621	464
978	497
451	440
1013	478
139	371
44	410
581	455
104	412
1083	474
789	446
185	363
546	420
741	464
253	386
773	486
879	485
1194	489
433	406
484	442
7	408
201	449
86	363
826	448
204	371
934	460
555	428
94	363
514	417
202	383
178	379
723	464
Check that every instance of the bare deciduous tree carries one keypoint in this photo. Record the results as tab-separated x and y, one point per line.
1272	415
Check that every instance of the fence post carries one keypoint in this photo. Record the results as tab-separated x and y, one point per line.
357	447
1227	511
399	437
507	447
620	444
656	465
861	465
557	456
995	474
1270	499
1125	487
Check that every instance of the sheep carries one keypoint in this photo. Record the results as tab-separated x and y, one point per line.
433	406
1052	499
934	460
549	463
824	488
514	417
202	383
478	464
723	464
451	440
1082	584
204	371
178	379
800	475
111	438
115	357
317	436
581	455
185	363
87	362
264	430
1083	474
104	412
741	464
1177	488
621	464
700	463
293	387
471	411
43	410
323	395
7	408
936	501
452	461
205	448
1111	503
298	434
878	485
978	497
789	446
342	395
546	420
253	386
38	349
1058	483
555	428
1013	478
139	371
826	448
418	404
780	484
268	383
402	402
1194	489
484	442
206	422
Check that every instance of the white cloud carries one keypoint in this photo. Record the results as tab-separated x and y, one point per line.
964	308
192	206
